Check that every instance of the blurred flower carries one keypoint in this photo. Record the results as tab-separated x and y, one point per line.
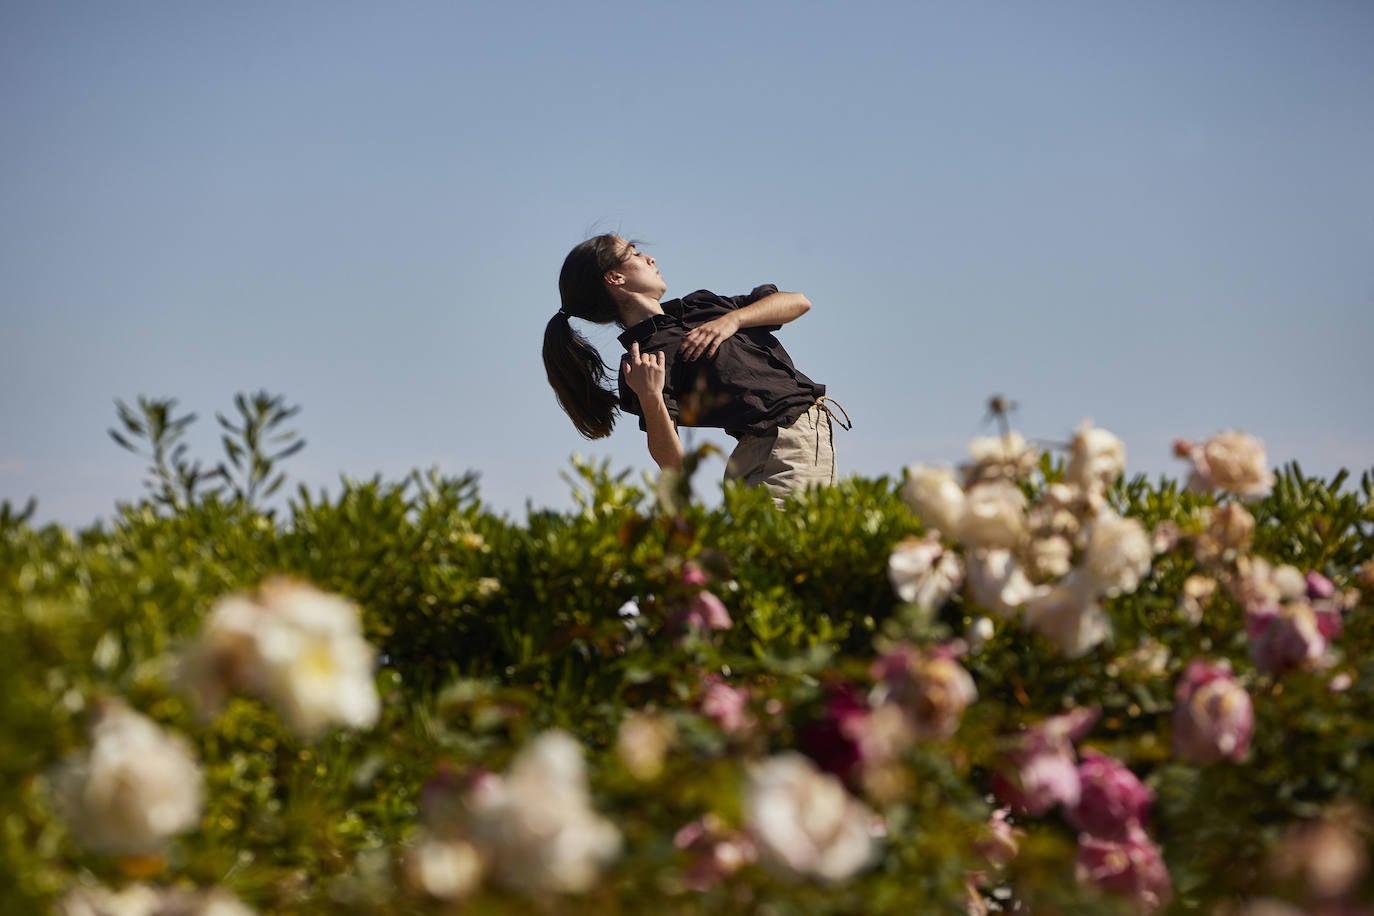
1287	638
996	582
443	868
923	572
1050	557
1096	457
805	823
994	515
692	574
979	632
536	825
717	852
1007	457
999	840
704	611
298	648
642	743
1118	553
1066	617
1112	800
1043	771
1165	537
726	706
1231	462
1319	587
1194	597
935	496
835	741
137	787
1227	532
1328	854
145	900
1213	718
1132	867
932	690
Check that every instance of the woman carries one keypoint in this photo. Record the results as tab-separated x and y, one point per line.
702	360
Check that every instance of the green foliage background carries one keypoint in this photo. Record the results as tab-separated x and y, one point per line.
493	628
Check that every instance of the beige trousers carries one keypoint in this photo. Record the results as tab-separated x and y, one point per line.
788	460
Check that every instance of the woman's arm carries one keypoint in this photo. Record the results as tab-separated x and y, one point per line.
777	308
645	374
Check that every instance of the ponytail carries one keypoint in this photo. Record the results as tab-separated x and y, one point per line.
576	372
579	378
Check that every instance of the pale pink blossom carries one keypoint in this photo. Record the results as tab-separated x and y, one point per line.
716	852
1043	768
931	689
1287	638
704	611
999	840
1213	717
727	706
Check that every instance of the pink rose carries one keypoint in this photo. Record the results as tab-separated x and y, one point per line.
1043	769
1213	717
704	611
1289	637
1111	801
726	706
1132	866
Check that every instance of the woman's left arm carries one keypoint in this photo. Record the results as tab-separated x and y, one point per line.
773	309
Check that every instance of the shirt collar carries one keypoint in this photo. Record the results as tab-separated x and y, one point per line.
647	328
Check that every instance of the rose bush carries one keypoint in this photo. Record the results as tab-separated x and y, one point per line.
1030	681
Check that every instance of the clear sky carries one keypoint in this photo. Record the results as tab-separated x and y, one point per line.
1158	215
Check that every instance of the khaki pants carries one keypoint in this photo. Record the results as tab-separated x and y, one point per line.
788	460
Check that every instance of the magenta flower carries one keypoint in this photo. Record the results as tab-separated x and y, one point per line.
1112	800
1213	716
1132	866
1289	637
836	741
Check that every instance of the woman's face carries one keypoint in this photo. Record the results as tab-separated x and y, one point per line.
637	273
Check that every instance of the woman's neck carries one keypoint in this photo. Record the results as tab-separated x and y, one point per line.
635	307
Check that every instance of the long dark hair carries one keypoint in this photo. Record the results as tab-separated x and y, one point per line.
576	372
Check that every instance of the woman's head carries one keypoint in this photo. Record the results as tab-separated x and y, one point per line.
594	278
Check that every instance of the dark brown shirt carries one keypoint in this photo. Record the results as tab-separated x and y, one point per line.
749	387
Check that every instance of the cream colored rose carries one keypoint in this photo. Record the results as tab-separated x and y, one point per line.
1069	618
642	743
940	692
934	495
135	788
1117	554
296	647
446	869
1050	557
923	572
996	582
999	457
144	900
1232	462
805	823
1096	457
994	515
537	826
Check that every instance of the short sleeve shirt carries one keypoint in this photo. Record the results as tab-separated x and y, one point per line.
749	387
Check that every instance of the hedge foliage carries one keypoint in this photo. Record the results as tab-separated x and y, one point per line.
491	630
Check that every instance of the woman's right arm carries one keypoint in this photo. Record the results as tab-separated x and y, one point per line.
645	374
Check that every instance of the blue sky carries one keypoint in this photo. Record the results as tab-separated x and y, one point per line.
1160	216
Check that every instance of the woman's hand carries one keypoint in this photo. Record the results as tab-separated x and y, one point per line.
644	373
705	339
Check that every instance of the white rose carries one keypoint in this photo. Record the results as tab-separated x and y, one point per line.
805	823
924	573
934	495
137	787
537	826
446	869
143	900
1007	456
642	743
994	515
997	583
299	649
1051	557
1118	553
1096	457
1069	619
